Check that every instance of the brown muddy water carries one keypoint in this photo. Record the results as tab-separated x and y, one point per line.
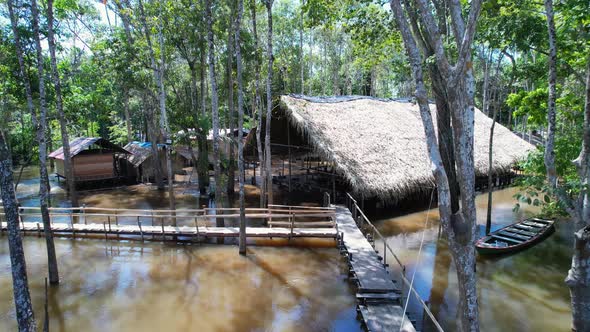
134	286
130	286
521	292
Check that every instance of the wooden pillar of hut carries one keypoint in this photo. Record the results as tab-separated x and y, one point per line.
334	182
289	149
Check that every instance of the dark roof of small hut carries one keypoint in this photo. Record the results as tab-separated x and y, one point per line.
379	145
140	151
184	152
80	144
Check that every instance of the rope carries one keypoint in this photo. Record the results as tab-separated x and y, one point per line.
426	224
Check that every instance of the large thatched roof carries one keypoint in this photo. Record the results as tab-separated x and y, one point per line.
379	145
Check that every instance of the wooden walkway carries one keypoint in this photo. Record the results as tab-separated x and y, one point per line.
379	297
276	221
149	232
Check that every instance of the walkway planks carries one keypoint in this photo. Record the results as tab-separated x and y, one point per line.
381	310
33	228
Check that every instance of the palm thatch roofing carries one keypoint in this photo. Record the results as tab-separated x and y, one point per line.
77	145
379	146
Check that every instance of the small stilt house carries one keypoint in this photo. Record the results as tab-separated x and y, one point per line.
142	161
93	159
374	148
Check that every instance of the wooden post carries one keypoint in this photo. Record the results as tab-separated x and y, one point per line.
152	218
72	224
363	202
21	222
105	230
197	227
140	229
384	252
109	220
289	149
38	230
84	213
117	224
334	182
163	234
292	217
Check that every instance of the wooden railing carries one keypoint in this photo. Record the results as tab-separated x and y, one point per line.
284	216
363	222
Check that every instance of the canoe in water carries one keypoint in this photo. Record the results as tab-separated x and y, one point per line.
515	237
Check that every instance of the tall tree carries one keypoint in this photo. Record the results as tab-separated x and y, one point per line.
258	104
65	140
44	189
302	67
238	45
578	278
20	285
161	95
495	101
214	106
460	227
231	168
164	124
267	151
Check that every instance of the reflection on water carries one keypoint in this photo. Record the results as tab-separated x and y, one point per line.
129	286
522	292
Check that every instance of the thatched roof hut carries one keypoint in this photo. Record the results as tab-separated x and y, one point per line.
379	146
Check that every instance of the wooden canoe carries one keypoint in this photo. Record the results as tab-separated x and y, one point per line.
515	237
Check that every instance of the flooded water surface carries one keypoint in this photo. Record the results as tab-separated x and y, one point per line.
521	292
134	286
130	286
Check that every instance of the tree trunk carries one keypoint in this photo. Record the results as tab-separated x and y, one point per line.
214	109
68	168
20	285
460	228
302	67
490	172
231	169
268	154
495	100
240	126
164	125
44	190
486	84
127	113
445	134
203	146
578	279
550	148
258	106
157	77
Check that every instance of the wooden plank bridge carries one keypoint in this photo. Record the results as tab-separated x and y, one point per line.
276	221
379	297
382	299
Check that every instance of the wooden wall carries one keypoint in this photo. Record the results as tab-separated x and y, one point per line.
93	166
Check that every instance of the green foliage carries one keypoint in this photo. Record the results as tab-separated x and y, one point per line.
535	189
118	130
532	104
